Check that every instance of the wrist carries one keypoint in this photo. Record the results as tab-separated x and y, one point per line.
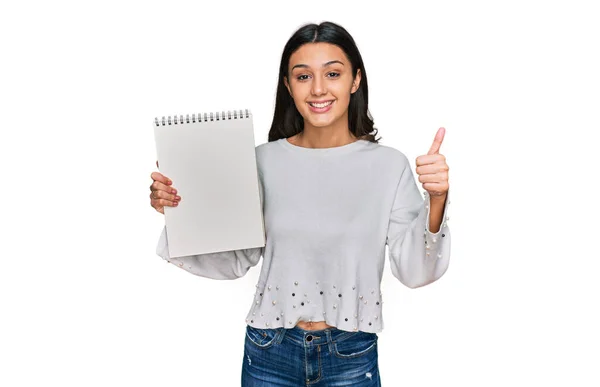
438	198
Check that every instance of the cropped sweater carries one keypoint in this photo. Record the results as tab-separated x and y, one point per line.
328	215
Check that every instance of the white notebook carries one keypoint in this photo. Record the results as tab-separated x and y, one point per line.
211	159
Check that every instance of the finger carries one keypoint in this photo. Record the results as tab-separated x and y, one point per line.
434	178
437	141
160	177
429	169
157	185
170	203
430	159
158	204
160	194
436	188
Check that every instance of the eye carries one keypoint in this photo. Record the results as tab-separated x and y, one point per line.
300	77
335	75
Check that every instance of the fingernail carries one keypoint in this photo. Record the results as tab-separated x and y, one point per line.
176	203
177	197
169	182
173	191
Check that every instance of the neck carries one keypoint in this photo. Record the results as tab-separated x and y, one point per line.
330	136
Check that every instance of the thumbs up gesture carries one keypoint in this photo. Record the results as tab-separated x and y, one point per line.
433	170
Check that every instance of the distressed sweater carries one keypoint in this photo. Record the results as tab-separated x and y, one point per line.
329	214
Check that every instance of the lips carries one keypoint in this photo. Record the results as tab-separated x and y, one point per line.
320	107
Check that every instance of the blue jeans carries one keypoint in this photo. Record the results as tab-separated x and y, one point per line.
296	357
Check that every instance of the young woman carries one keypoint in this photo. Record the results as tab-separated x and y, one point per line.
332	198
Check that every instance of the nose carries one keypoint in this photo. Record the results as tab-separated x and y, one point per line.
318	86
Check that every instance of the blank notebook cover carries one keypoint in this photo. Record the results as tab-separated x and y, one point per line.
211	160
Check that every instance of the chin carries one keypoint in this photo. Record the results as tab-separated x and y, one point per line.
323	123
320	121
320	124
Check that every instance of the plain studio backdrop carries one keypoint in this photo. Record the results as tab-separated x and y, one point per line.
85	300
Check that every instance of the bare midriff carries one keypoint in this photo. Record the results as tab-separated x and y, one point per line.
313	325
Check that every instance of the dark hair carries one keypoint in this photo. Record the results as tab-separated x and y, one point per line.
287	121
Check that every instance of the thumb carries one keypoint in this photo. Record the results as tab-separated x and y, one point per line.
437	141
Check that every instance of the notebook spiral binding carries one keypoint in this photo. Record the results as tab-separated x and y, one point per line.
204	117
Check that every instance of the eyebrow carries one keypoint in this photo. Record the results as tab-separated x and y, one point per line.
324	64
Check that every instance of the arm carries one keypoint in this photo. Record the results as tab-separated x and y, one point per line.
417	255
221	265
436	212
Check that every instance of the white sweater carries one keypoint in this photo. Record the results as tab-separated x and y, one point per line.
329	213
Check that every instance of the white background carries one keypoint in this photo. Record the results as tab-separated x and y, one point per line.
85	301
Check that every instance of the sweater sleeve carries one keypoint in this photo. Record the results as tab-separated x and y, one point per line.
417	256
223	265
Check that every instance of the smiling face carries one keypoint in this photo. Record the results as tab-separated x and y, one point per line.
320	82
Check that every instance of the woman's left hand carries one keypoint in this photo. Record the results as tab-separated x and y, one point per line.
433	170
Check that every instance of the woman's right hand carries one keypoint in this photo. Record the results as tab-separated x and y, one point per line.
162	193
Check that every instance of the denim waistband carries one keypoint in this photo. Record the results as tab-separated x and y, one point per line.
316	337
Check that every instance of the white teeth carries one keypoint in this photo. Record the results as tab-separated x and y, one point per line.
320	105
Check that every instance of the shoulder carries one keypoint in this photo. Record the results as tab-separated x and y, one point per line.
389	155
266	153
267	148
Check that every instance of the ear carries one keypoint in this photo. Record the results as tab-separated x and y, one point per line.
287	85
356	82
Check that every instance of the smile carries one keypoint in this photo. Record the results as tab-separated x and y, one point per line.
320	108
320	105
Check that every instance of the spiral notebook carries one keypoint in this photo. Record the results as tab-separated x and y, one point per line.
211	159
